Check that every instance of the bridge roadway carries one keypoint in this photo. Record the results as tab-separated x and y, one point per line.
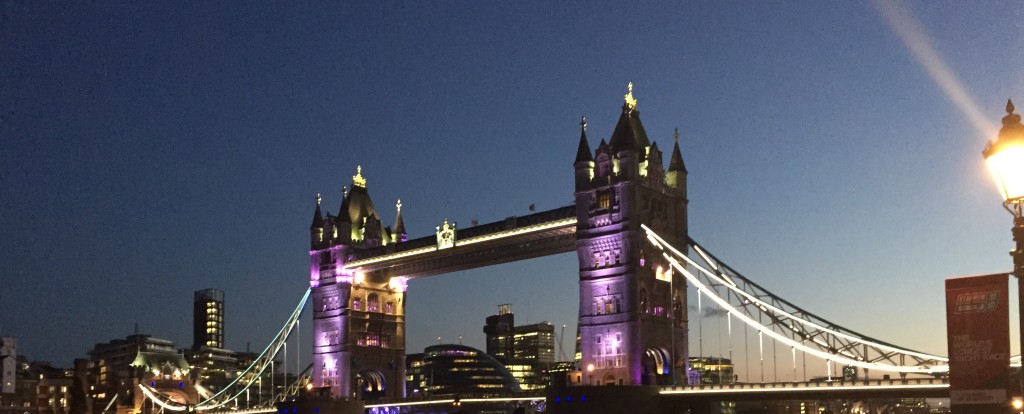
515	238
669	399
672	398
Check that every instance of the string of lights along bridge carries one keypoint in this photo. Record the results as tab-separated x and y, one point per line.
639	274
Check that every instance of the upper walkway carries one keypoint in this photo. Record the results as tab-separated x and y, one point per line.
514	238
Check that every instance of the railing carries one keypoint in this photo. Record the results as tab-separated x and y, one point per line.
464	398
905	383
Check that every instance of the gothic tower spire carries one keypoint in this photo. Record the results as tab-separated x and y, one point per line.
584	163
676	176
399	235
316	229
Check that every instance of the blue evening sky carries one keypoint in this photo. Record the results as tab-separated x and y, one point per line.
147	151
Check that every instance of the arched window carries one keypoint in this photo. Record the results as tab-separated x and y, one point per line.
372	303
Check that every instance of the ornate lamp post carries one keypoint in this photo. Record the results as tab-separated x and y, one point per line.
1005	158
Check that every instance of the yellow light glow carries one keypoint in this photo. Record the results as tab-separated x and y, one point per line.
360	277
590	367
1007	167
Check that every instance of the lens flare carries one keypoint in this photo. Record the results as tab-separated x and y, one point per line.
914	37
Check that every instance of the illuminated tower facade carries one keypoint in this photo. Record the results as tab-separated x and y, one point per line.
633	326
208	319
358	319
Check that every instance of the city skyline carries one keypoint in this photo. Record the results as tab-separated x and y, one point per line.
158	151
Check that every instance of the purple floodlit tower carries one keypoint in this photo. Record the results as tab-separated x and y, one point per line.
632	308
632	314
358	319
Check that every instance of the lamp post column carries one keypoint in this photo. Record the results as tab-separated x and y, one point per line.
1005	158
1018	272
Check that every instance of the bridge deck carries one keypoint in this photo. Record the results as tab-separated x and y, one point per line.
515	238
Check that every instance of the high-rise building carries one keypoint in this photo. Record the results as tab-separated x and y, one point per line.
215	367
527	351
9	357
208	319
534	342
500	330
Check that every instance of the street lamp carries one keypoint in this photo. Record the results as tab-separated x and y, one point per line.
1005	158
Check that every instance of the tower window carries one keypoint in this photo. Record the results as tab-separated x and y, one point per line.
604	199
372	303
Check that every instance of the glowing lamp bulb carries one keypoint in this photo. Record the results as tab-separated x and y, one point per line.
1017	404
1005	157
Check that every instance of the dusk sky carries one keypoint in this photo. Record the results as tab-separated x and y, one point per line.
147	151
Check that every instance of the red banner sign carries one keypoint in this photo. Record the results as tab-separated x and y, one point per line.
978	335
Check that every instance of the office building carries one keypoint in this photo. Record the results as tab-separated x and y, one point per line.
208	319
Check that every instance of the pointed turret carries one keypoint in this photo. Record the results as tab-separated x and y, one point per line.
399	235
316	229
318	218
676	162
584	164
583	152
676	175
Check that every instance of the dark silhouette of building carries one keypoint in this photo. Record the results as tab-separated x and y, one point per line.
208	319
120	365
8	363
214	367
456	369
500	331
527	351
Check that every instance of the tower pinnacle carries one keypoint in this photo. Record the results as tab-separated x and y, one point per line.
675	163
318	218
630	104
358	180
583	151
398	235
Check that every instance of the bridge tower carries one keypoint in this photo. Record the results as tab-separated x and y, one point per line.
633	319
358	319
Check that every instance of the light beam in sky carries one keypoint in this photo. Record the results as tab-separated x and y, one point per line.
914	37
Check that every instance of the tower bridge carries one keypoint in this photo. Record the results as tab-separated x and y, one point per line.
632	316
636	261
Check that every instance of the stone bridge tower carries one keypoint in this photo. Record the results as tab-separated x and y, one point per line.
633	319
359	319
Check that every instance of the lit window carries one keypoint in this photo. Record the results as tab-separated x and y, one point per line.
604	199
372	303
